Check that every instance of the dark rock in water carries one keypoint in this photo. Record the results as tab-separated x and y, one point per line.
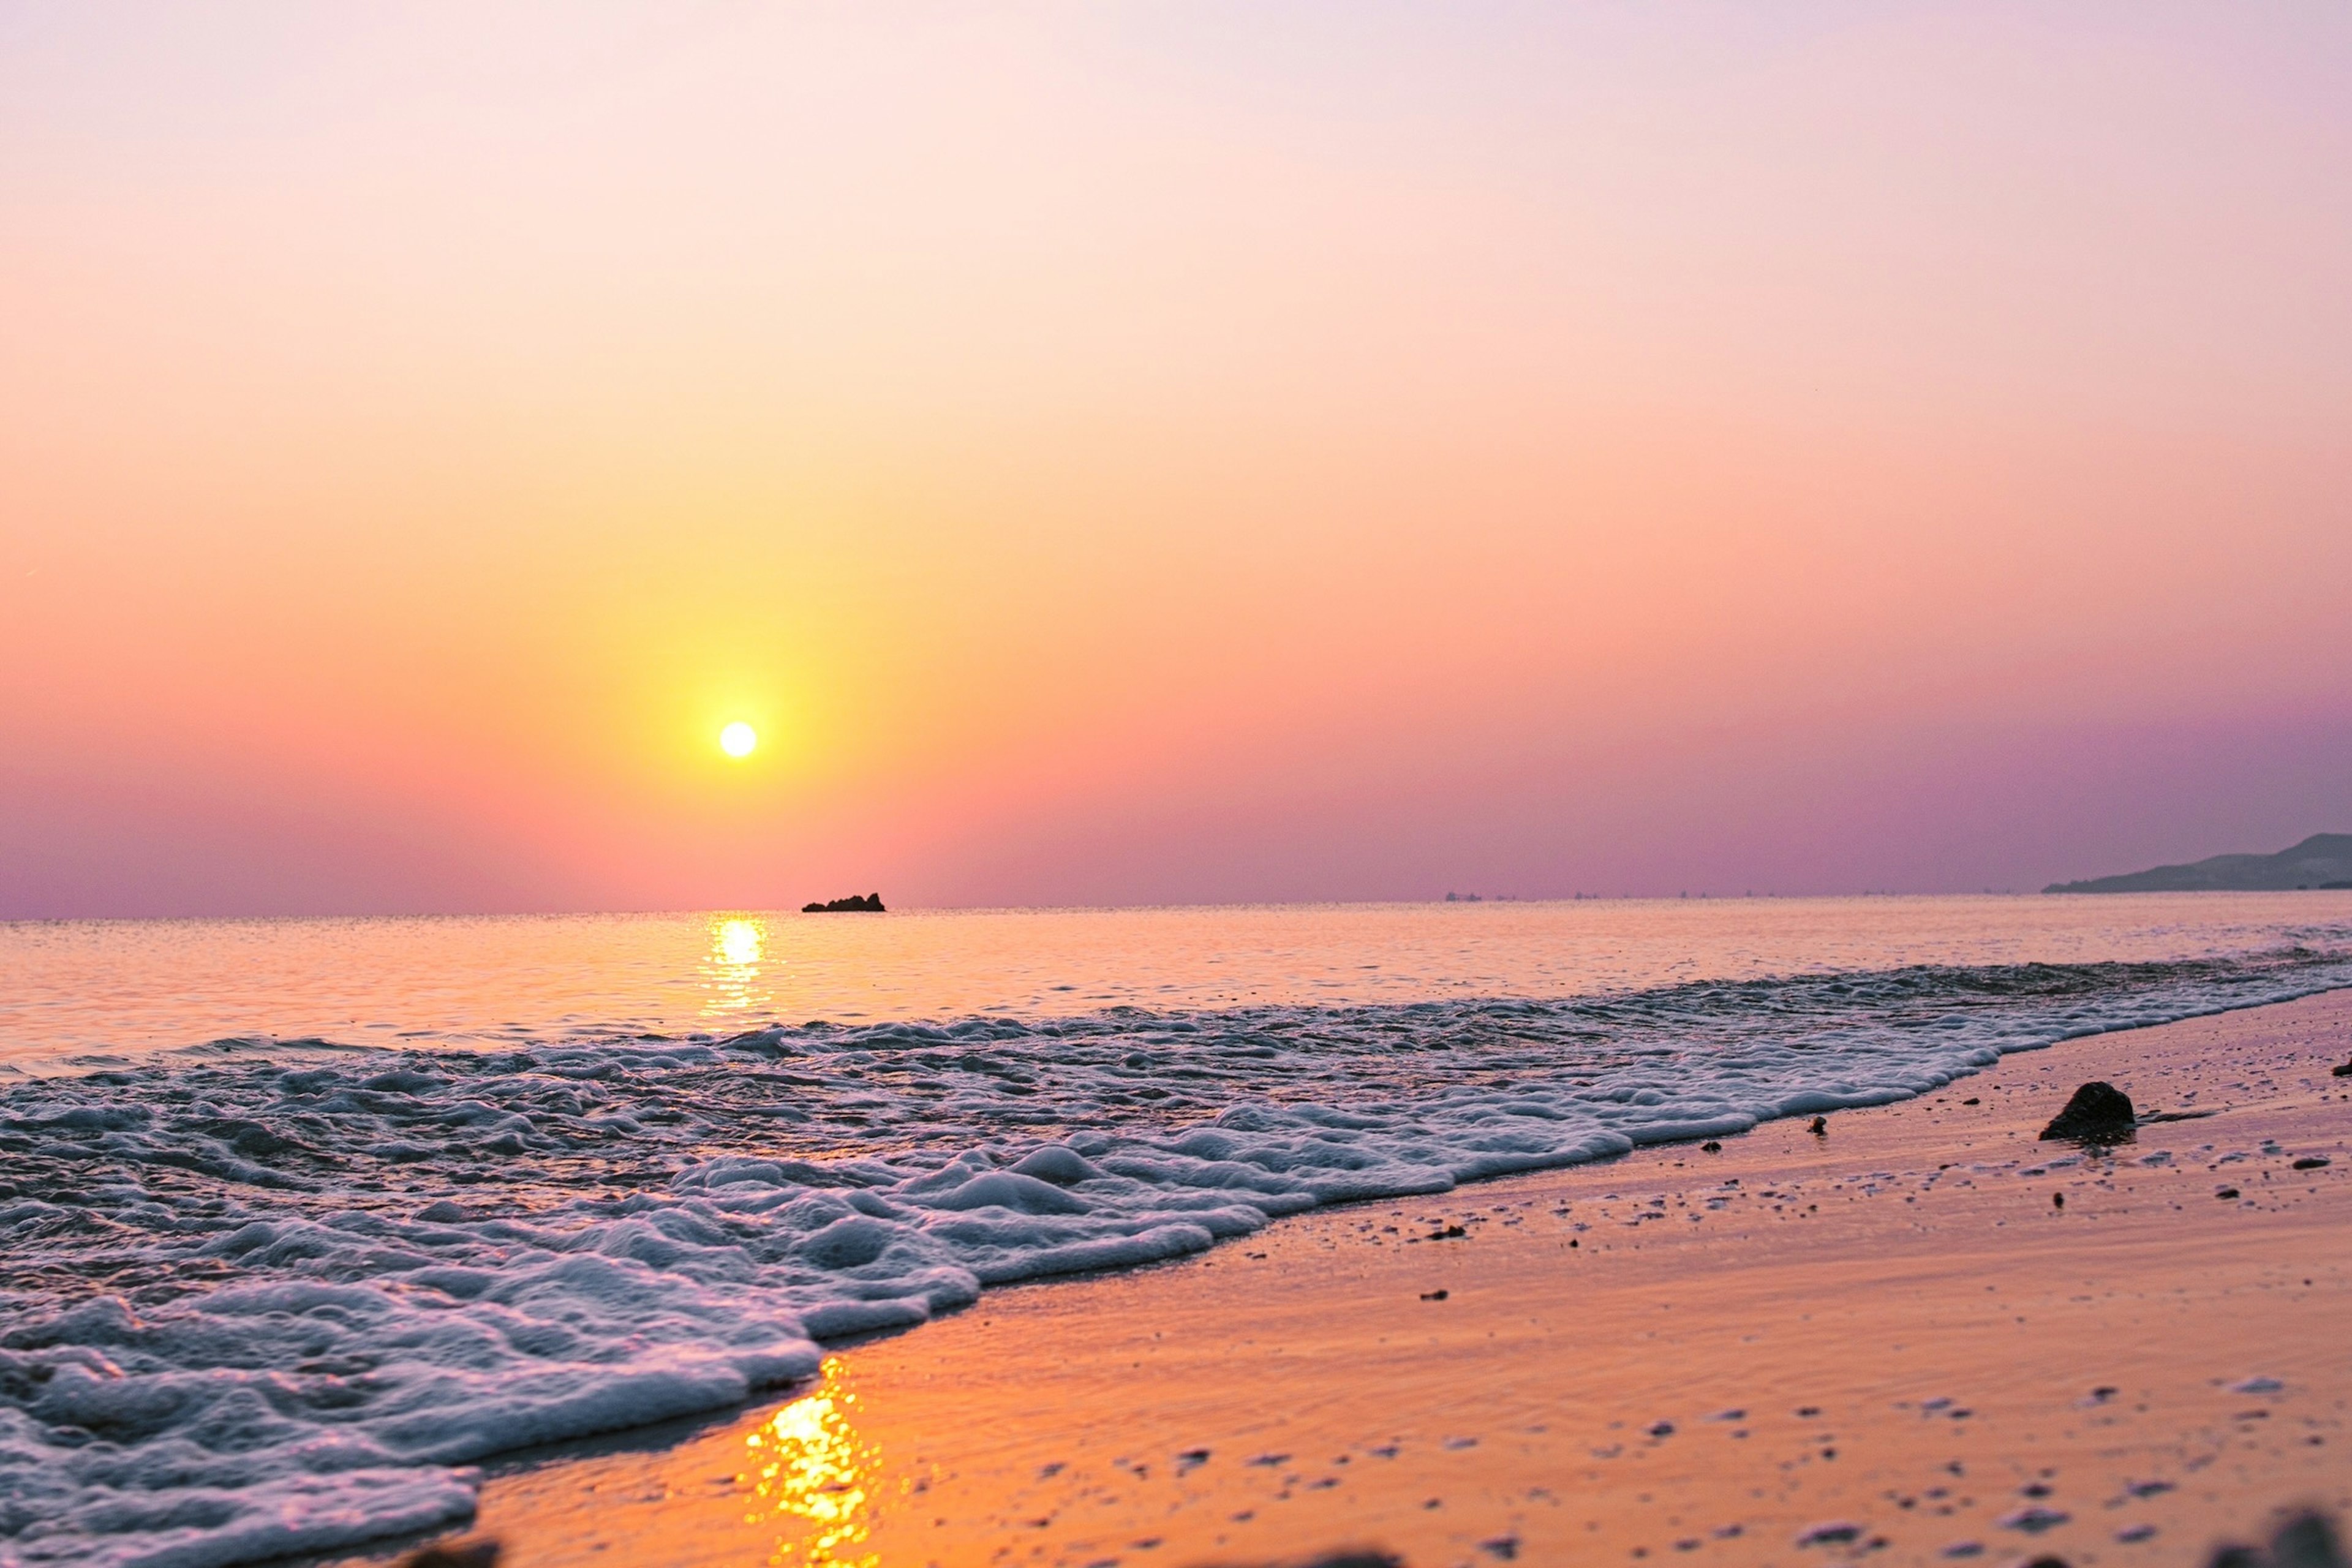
871	904
2097	1111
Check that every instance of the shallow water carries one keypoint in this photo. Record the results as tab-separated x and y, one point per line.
75	991
299	1219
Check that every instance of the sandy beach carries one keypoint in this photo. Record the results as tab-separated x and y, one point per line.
1921	1335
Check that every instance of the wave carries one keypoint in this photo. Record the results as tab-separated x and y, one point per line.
275	1297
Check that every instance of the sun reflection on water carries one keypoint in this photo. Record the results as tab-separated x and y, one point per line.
731	968
815	1479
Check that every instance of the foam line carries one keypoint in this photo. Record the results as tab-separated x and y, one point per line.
257	1307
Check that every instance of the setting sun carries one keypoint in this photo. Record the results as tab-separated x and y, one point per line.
737	739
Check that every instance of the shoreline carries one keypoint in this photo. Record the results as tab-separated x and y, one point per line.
960	1443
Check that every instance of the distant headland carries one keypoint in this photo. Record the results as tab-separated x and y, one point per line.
871	904
2322	860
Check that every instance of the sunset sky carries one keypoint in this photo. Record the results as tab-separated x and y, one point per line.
1164	452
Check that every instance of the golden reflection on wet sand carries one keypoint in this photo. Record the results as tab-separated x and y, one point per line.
814	1480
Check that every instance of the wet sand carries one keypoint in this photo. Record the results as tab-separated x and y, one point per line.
1893	1338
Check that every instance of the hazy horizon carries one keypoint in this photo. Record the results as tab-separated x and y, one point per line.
1157	456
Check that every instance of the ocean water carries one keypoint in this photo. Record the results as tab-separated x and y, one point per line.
301	1219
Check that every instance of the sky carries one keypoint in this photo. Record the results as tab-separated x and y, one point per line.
1164	452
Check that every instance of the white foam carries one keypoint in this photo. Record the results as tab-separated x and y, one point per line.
255	1308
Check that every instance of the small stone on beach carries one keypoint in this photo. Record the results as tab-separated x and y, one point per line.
2033	1518
2097	1111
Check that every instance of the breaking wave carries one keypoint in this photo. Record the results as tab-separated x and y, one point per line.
273	1297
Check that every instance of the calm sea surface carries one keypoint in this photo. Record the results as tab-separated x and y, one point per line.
73	993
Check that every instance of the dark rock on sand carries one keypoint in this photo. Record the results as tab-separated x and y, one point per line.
1821	1127
2033	1518
2097	1111
2306	1540
2344	1071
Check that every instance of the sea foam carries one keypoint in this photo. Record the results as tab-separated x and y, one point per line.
268	1300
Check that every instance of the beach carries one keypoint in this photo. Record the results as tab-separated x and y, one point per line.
1174	786
1920	1335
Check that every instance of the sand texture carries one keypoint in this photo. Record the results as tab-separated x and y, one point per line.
1892	1341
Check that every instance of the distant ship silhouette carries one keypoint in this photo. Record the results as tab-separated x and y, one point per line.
871	904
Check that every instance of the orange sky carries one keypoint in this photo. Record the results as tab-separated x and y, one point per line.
1164	452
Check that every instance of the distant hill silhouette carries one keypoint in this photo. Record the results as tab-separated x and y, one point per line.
2322	860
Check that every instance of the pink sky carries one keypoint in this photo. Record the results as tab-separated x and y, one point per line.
1170	452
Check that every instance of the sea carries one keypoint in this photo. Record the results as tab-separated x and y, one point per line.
303	1220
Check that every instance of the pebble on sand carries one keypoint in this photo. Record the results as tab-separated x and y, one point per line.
2097	1111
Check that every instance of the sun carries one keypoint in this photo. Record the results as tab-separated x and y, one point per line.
737	739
